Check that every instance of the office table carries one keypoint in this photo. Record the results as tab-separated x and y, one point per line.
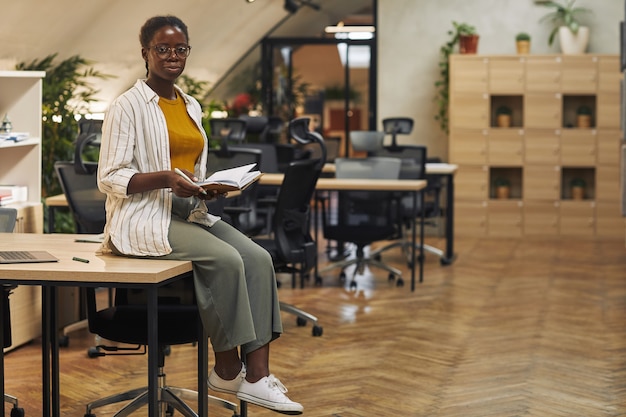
101	271
354	184
446	171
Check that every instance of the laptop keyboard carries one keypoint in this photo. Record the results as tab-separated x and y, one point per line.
16	255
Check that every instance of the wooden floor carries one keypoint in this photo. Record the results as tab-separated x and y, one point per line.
512	328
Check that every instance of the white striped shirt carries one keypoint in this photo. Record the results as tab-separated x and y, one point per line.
135	140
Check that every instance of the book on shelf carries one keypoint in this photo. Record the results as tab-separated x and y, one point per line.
5	198
14	136
16	193
232	179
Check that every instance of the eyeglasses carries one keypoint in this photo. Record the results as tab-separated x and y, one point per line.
165	52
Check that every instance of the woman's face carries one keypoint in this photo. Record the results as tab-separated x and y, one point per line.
165	63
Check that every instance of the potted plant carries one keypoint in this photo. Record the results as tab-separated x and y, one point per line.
442	84
573	37
468	38
502	188
522	43
503	116
583	117
577	187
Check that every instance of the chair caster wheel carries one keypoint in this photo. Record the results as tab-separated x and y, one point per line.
94	352
90	415
17	412
300	322
278	284
400	282
318	281
317	330
342	277
353	285
64	341
391	277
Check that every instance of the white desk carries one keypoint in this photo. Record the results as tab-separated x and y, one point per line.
101	271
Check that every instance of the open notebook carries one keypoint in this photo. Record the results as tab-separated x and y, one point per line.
20	257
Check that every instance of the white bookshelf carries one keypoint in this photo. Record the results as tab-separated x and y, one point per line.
20	164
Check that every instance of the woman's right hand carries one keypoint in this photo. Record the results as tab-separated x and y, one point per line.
181	187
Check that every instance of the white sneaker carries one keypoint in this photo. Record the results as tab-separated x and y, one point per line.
269	392
230	386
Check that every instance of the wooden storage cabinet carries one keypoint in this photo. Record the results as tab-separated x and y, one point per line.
20	164
545	150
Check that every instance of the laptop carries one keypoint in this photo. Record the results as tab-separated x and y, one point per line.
21	257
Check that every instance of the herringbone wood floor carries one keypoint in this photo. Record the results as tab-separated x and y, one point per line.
513	328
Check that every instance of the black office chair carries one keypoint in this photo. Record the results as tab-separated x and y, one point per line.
427	210
228	131
292	248
8	218
126	322
362	217
397	126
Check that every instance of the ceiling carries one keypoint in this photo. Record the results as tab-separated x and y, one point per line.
106	32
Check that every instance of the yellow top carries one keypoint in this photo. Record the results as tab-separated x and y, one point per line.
185	139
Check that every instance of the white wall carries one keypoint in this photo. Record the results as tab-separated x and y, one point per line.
410	33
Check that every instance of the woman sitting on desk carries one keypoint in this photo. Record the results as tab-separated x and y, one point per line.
149	131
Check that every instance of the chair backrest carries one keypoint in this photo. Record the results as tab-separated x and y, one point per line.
369	141
228	131
397	126
8	217
374	167
291	226
363	217
257	126
300	132
413	159
85	201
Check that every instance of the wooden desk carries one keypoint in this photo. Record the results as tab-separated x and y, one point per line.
446	171
101	271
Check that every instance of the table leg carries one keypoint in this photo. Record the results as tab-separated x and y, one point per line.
51	211
3	301
449	256
203	372
153	351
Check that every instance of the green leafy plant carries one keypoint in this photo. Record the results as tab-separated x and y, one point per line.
522	36
577	182
66	93
563	15
501	182
442	85
504	110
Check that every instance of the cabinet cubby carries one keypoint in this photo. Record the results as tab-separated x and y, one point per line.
514	103
511	176
573	104
584	175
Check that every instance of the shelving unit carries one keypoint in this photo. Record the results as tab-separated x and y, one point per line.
20	164
544	148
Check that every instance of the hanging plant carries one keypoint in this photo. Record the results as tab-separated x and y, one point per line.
443	83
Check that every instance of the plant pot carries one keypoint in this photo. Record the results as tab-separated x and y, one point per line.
468	44
583	121
573	44
503	192
578	193
503	120
523	47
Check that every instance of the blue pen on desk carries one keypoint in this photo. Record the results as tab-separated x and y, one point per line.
75	258
189	180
